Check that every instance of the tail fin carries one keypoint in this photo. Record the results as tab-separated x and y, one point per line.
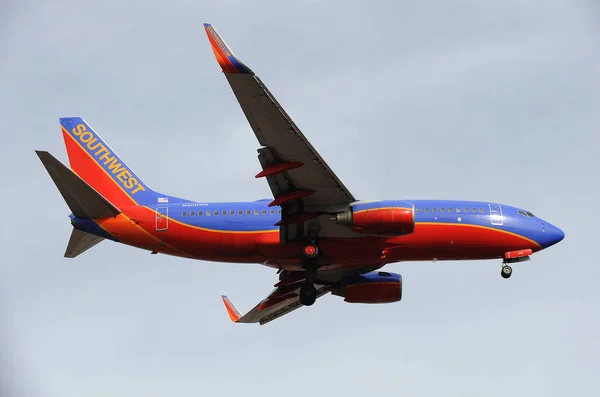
83	201
98	165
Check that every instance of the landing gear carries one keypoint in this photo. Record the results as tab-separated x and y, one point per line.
506	271
308	294
310	251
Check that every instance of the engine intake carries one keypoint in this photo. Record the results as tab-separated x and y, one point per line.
374	287
393	218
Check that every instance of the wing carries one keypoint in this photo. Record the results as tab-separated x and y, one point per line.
277	304
301	182
284	298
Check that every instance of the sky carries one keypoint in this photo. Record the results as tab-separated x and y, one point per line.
494	101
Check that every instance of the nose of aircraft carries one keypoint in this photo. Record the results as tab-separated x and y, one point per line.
551	235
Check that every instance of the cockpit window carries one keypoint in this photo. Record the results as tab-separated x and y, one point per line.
526	213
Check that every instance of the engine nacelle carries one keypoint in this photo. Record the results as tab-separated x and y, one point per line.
381	218
374	287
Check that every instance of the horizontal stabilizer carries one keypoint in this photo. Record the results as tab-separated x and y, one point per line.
80	242
82	199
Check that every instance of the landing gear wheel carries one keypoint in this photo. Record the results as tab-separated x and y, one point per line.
506	271
310	251
308	294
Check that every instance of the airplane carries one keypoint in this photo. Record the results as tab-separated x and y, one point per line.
319	237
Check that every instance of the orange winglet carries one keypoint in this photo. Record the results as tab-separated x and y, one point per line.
234	314
227	60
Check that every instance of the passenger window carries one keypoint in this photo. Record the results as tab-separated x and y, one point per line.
192	213
199	213
434	210
280	211
216	213
474	210
184	213
426	209
450	210
442	210
207	213
458	210
232	212
247	212
240	212
272	212
481	211
466	210
264	212
255	212
418	210
224	212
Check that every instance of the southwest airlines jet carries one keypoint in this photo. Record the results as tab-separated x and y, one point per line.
318	236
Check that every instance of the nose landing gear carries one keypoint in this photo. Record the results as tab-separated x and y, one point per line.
506	271
514	257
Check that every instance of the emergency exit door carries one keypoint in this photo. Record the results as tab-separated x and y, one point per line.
162	218
496	214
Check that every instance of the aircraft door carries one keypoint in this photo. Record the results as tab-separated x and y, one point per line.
162	218
496	214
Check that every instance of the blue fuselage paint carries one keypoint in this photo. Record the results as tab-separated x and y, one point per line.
258	216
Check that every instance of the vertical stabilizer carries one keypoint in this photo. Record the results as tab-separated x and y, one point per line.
97	164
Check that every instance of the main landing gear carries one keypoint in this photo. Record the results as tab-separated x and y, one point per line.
308	292
506	271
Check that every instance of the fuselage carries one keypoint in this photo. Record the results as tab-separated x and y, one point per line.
245	232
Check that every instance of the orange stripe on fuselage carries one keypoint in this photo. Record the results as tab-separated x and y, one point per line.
129	231
193	241
221	231
137	227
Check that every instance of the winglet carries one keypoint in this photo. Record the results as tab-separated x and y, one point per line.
234	314
226	58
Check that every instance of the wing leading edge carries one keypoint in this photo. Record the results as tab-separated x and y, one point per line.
300	180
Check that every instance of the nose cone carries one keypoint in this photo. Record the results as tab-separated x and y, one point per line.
551	235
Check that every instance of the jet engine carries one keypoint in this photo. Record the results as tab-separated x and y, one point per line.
387	219
374	287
